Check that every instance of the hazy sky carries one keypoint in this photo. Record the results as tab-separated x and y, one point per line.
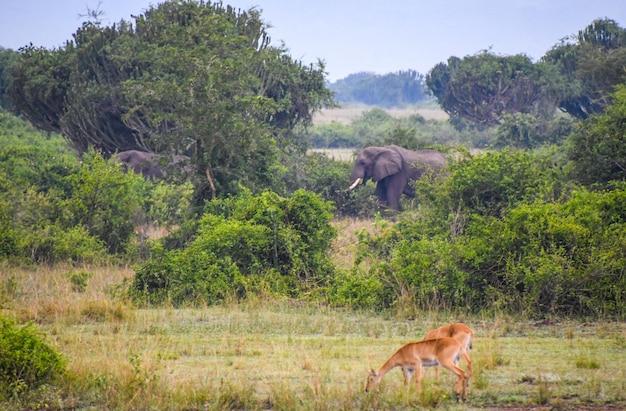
351	36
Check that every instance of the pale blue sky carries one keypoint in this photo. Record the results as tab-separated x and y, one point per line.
379	36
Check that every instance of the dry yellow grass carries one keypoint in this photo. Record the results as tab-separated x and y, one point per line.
262	354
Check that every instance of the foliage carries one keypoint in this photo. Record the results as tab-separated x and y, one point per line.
591	64
333	135
551	258
597	151
26	360
7	58
328	178
170	204
244	243
514	239
104	200
487	184
525	131
55	209
195	78
484	87
389	90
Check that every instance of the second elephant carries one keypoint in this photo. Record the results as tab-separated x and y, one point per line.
149	164
394	169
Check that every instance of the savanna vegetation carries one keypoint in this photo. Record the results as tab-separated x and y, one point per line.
255	279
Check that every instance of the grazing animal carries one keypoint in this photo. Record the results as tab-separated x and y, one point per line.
460	332
394	169
412	356
149	164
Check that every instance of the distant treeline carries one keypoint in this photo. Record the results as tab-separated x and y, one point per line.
388	90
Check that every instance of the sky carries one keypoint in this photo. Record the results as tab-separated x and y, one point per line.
352	36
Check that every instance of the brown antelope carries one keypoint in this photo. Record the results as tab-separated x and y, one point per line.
460	332
412	356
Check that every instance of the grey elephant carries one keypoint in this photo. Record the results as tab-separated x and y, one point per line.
394	169
148	163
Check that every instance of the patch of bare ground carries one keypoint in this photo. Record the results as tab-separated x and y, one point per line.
345	115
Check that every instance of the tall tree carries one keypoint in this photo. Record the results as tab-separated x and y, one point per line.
597	150
191	77
592	64
7	58
483	87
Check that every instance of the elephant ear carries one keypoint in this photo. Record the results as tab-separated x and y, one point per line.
388	162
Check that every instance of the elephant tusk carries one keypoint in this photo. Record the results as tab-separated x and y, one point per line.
356	183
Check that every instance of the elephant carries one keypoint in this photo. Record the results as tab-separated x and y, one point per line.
147	163
394	169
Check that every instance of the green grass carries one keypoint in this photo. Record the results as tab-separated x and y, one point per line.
284	355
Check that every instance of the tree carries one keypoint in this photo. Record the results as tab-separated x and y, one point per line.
483	87
597	150
7	58
592	64
195	78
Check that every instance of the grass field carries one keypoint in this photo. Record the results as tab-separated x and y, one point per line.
345	115
287	355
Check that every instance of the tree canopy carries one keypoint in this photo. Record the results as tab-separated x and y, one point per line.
484	87
592	64
577	76
195	78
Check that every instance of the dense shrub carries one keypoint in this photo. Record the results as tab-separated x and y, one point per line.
56	208
597	150
487	184
26	360
104	200
244	243
537	258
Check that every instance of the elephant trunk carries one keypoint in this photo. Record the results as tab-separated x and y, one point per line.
356	183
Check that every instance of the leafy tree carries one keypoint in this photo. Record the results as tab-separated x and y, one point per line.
7	58
489	183
592	64
484	87
597	150
104	200
525	131
197	78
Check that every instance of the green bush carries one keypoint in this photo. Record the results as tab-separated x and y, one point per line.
26	360
509	247
57	209
170	204
8	236
104	200
241	242
361	290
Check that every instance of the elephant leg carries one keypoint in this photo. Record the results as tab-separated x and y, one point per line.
396	185
381	191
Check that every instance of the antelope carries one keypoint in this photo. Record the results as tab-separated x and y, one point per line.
412	356
460	332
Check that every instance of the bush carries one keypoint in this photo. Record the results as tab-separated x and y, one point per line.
104	200
240	242
26	360
362	290
537	259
